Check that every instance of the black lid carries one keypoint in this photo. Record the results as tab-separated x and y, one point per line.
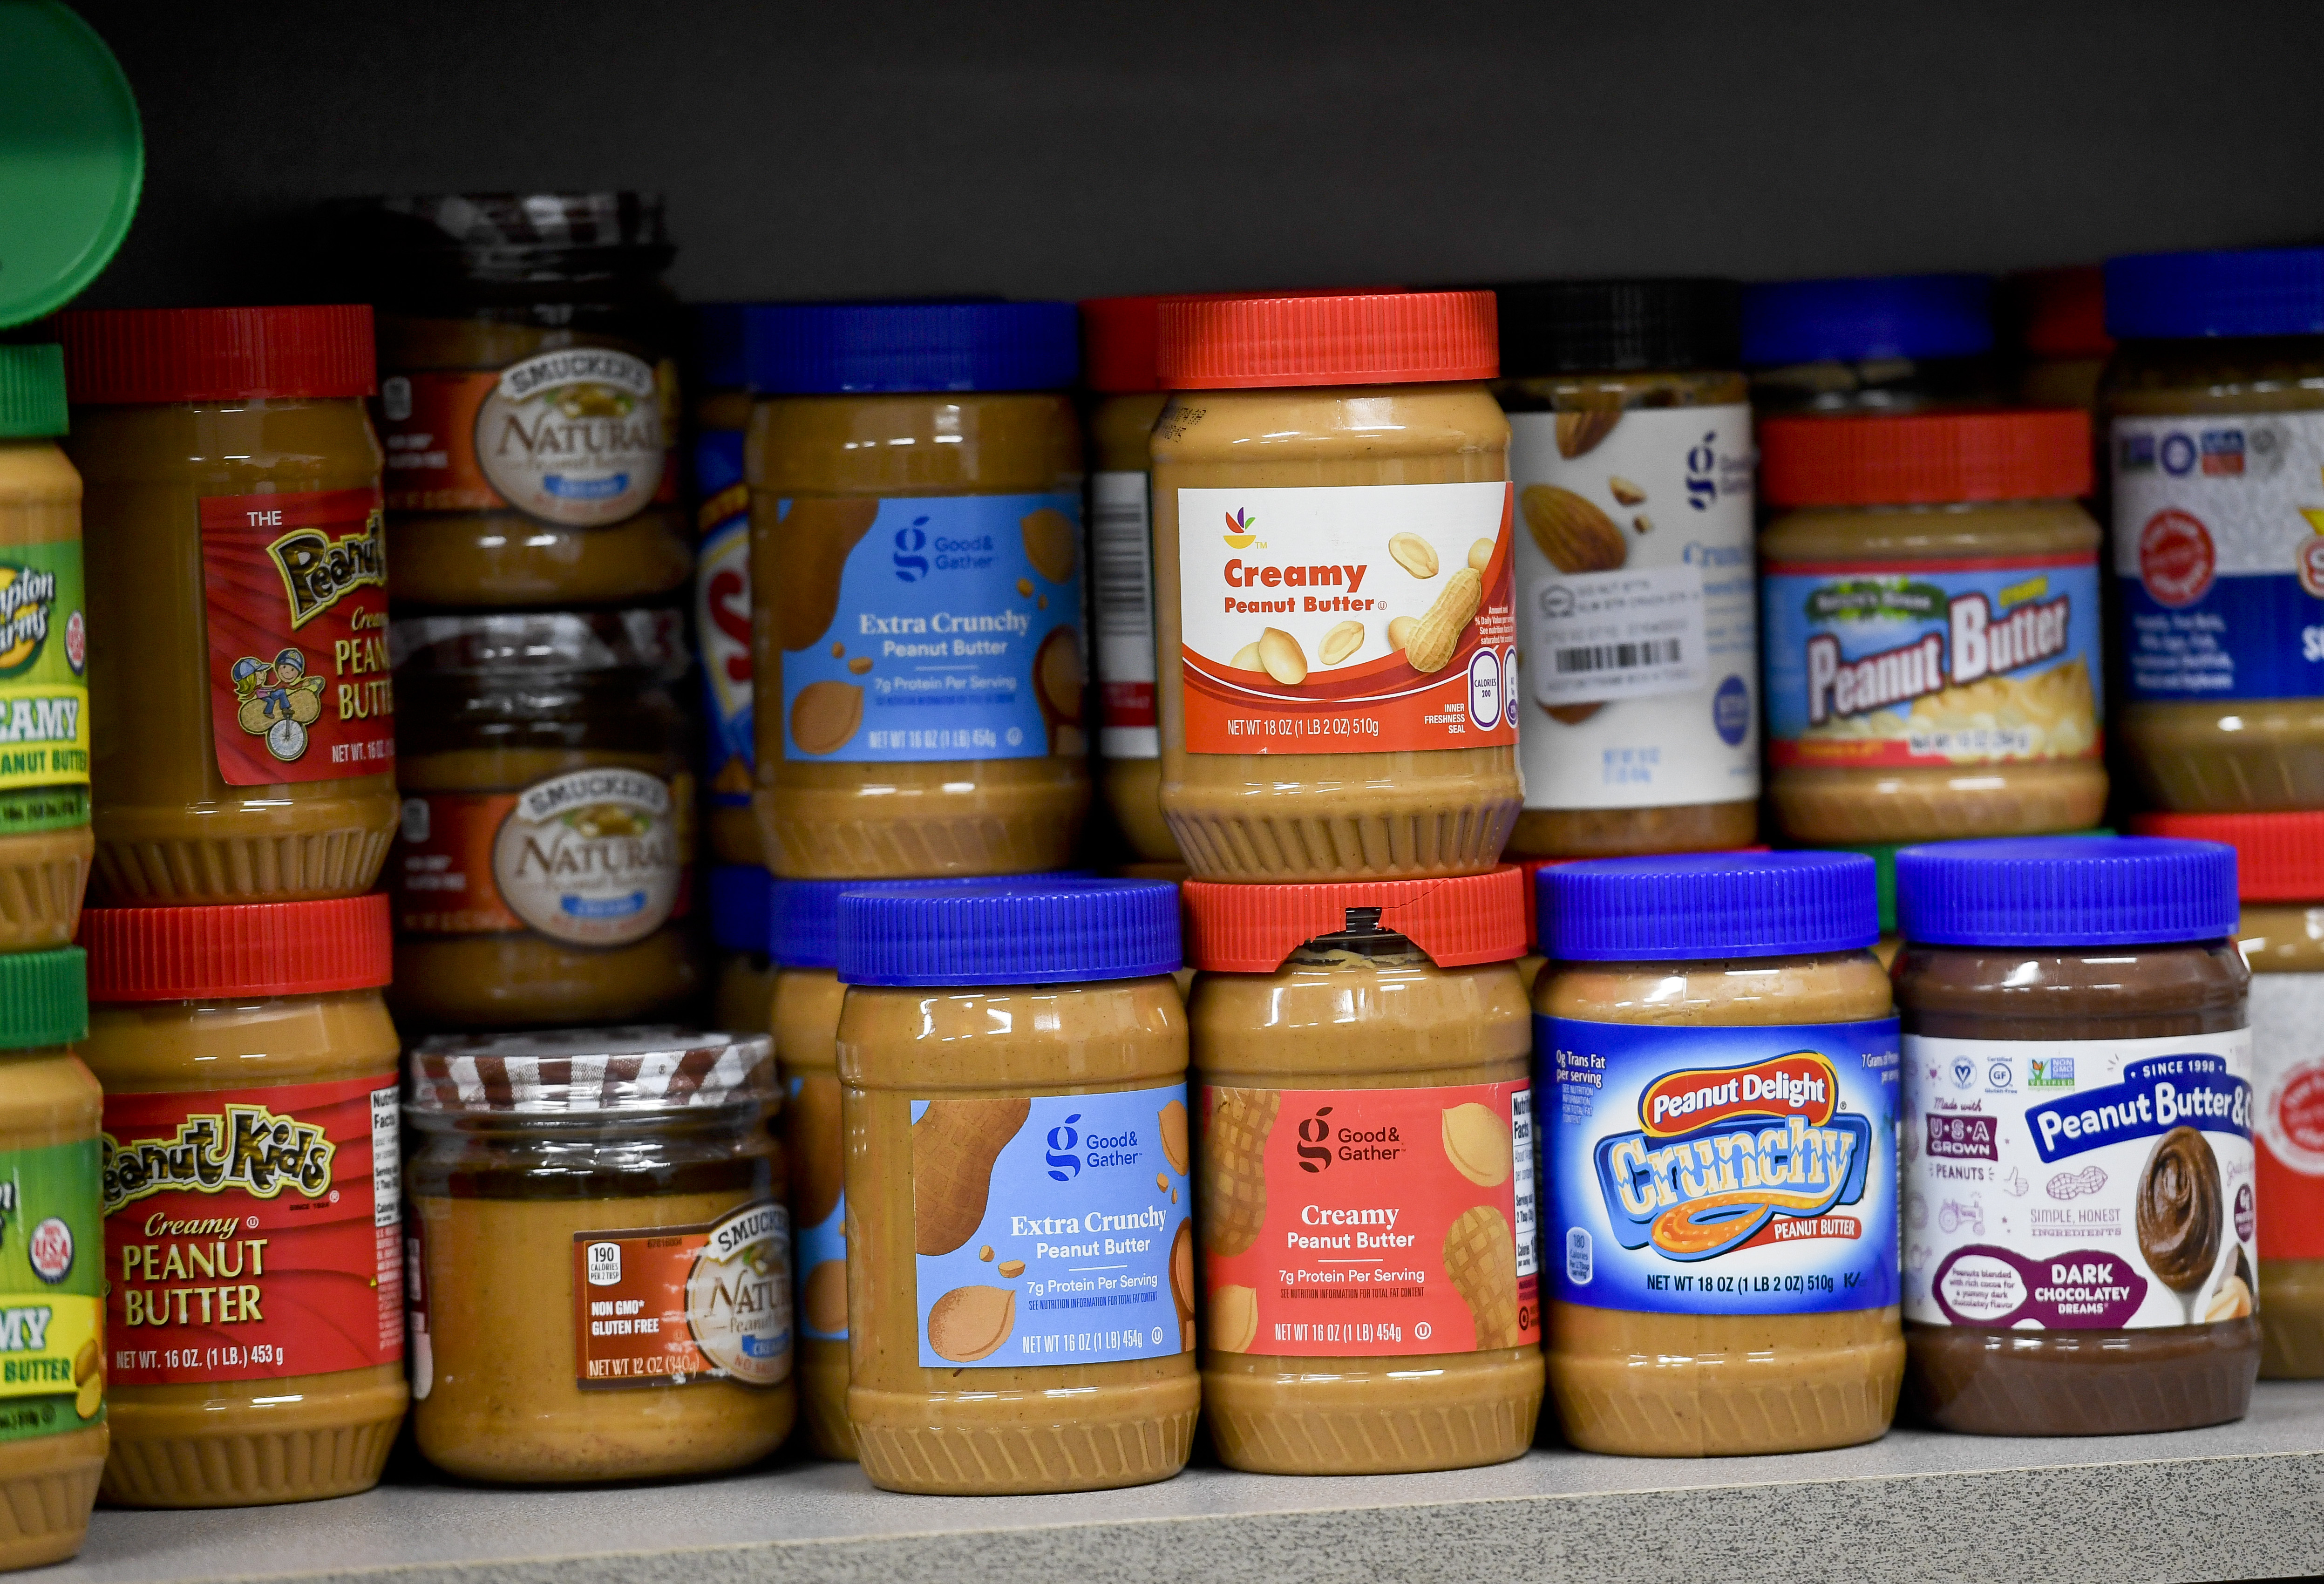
1585	326
506	237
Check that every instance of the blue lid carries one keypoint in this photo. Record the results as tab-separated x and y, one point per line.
1703	905
719	359
1010	932
804	932
739	907
2066	891
1867	317
2177	296
824	348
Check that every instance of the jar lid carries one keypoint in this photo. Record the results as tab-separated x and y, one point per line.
721	331
832	348
76	158
512	235
805	913
1859	318
245	949
1924	458
1326	338
31	391
2066	891
634	1071
740	910
2178	296
136	354
1118	343
1689	905
2061	313
2279	857
539	640
1019	931
1253	929
43	999
1587	327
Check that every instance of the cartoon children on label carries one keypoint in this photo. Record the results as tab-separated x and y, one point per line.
279	701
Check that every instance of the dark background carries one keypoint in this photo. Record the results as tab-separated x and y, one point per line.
873	147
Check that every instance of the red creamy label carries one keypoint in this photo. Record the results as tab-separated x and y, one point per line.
680	1305
1370	1222
252	1234
295	588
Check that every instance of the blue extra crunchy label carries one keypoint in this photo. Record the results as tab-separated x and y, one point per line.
1720	1170
1052	1230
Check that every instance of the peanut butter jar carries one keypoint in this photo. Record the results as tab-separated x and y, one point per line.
253	1198
915	524
2081	1189
1332	523
1719	1051
1021	1271
722	578
603	1261
242	720
743	980
1365	1132
1870	344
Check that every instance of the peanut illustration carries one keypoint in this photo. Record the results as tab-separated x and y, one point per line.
1480	554
1246	658
859	664
1342	641
1281	656
1399	631
1431	643
1414	554
1643	523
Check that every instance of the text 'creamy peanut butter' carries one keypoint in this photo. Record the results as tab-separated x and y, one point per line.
1364	1149
1333	524
1718	1063
1020	1242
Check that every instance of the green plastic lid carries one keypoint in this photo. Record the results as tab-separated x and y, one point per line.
71	158
43	996
31	391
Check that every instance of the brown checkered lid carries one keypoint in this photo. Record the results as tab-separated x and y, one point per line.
582	1072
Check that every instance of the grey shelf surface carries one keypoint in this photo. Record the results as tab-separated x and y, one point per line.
2238	1501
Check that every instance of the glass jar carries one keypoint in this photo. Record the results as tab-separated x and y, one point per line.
242	722
1870	343
255	1301
603	1265
1346	445
722	579
916	479
1931	591
545	869
743	980
1365	1132
2079	1208
1630	446
1719	1072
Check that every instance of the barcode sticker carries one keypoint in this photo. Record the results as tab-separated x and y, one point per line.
1121	585
1599	636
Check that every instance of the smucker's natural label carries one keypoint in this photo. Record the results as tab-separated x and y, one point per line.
1121	582
930	627
44	689
1362	619
1720	1170
673	1306
2287	1020
722	615
252	1234
1052	1229
1637	613
811	1138
295	596
52	1344
1370	1222
2079	1185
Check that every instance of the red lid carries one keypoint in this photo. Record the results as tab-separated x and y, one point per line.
1251	929
119	356
1925	458
256	949
1326	338
2064	311
2279	857
1118	344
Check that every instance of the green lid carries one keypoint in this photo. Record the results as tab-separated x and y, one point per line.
31	391
43	996
71	158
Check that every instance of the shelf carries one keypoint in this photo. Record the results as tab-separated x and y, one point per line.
2239	1501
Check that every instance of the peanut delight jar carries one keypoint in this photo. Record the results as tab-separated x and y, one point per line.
1365	1181
1333	549
1020	1249
722	578
1720	1053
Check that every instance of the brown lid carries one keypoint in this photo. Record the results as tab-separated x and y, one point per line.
643	1071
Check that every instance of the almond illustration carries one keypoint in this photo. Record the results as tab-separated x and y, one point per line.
1571	714
1623	491
1431	645
970	1323
1342	641
811	1129
1052	543
825	1299
1246	658
1477	1143
824	716
814	538
954	1145
1281	656
1181	1270
1400	631
1414	554
1580	431
1571	533
1172	1125
1480	554
1011	1269
1234	1319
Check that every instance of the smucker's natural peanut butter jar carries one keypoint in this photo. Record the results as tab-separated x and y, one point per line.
1020	1247
1365	1180
1718	1058
916	547
1333	524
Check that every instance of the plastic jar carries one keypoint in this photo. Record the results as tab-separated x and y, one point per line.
243	726
2059	321
1013	1060
1346	445
50	1114
529	398
1720	1061
1365	1131
916	499
252	1197
722	579
1870	343
1931	590
44	835
2079	1178
1630	446
742	981
546	866
2216	410
570	1186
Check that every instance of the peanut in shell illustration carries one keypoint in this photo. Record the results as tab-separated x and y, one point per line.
1232	1190
1481	1257
954	1145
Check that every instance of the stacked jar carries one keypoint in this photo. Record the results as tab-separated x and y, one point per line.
722	579
1870	344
